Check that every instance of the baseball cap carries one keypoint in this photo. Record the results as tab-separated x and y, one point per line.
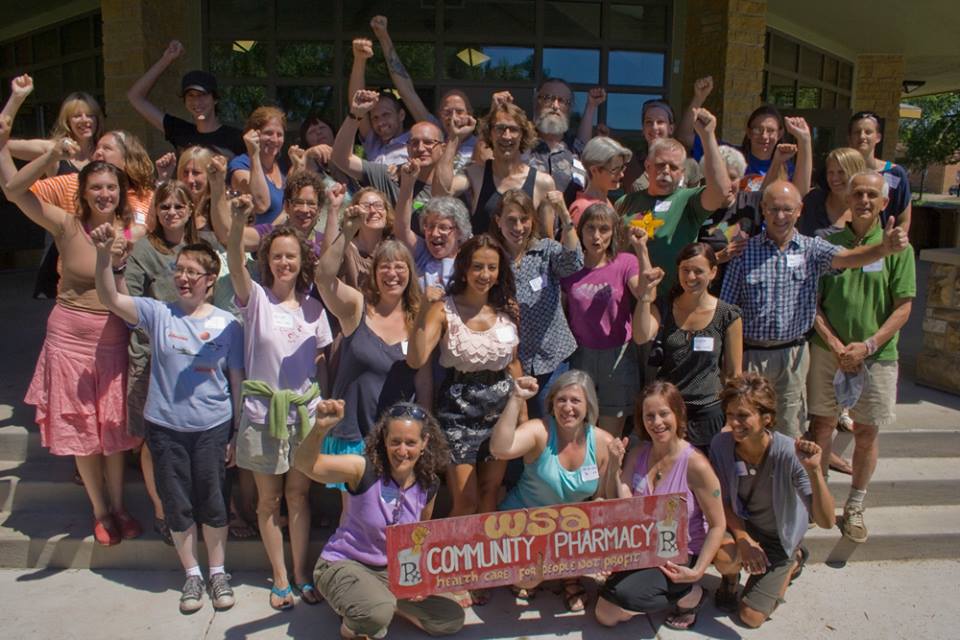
198	80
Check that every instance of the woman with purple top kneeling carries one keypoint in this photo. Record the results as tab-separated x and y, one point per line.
394	482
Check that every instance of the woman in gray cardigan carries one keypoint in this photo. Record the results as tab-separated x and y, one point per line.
771	486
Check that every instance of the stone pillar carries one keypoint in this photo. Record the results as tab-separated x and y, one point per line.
135	34
726	39
877	87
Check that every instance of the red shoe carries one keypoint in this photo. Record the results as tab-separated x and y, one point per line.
105	531
129	527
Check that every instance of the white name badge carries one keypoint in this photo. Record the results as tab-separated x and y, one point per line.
640	484
703	343
892	180
506	334
215	322
403	346
873	267
139	218
389	493
794	260
282	320
537	283
662	207
589	472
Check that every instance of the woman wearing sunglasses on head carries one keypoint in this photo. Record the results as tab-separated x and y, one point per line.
394	482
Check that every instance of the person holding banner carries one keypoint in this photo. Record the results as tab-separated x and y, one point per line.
395	481
564	454
772	487
664	462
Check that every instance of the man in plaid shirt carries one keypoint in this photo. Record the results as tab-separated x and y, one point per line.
774	282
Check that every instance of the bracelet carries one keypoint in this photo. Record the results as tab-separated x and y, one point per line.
118	270
871	343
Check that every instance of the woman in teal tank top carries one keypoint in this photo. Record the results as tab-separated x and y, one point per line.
564	454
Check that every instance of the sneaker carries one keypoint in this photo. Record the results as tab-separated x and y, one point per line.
852	524
221	593
191	598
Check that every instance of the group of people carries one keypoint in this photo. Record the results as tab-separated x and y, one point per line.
471	291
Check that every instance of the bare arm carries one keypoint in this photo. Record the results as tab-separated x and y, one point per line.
398	73
403	211
733	350
48	216
705	486
426	333
137	94
105	239
509	441
596	97
646	317
361	102
321	467
894	241
616	486
220	218
253	181
445	181
714	196
803	172
345	302
685	131
809	455
362	51
241	208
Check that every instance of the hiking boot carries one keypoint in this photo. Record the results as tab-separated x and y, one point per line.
852	524
191	598
221	594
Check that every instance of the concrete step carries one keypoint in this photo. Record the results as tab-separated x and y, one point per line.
907	482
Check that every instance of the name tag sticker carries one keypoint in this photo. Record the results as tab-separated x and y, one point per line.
589	472
216	322
139	218
403	346
389	493
537	283
639	484
506	334
873	267
282	320
794	260
741	468
662	207
703	343
892	180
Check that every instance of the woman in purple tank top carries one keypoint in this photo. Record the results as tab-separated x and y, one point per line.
394	482
664	463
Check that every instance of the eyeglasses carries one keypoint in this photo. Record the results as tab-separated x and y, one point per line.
372	206
501	129
190	274
308	204
546	98
413	143
406	409
175	207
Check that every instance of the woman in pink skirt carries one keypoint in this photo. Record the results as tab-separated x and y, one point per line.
79	384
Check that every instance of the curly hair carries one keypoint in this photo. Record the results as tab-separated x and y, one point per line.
301	179
308	261
502	295
95	167
434	458
753	389
390	251
518	199
528	133
165	190
674	400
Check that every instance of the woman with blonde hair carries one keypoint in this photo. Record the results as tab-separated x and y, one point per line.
374	214
825	209
260	171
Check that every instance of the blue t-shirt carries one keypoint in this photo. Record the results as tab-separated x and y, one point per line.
756	168
189	389
242	162
432	272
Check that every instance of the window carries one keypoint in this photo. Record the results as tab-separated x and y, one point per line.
799	76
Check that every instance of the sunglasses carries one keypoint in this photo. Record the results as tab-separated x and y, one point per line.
406	409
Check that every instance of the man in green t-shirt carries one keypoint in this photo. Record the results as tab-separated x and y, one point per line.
858	321
674	215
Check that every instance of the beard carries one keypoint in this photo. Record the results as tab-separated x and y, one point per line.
552	123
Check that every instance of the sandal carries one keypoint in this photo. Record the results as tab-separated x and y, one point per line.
463	599
479	597
683	618
307	592
241	529
725	597
285	595
840	464
524	593
128	525
802	555
573	595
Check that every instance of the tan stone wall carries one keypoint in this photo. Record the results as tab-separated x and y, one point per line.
135	34
725	39
877	88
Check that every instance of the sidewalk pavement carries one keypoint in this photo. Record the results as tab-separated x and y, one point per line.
880	601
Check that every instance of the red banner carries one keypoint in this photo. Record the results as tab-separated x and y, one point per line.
509	547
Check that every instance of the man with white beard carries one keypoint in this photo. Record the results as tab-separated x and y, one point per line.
556	152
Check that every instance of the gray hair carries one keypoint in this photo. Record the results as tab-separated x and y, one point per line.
732	158
575	377
601	150
884	191
449	208
666	144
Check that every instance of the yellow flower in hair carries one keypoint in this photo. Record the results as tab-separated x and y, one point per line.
648	222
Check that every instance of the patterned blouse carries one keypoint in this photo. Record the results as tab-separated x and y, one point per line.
545	337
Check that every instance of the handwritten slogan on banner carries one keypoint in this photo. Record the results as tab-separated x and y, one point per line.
509	547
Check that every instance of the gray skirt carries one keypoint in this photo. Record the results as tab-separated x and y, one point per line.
468	405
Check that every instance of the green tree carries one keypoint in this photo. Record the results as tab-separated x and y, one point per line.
934	138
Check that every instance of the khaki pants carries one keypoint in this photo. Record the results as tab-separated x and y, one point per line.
786	369
362	597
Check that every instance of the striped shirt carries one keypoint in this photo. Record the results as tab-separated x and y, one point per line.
777	289
61	191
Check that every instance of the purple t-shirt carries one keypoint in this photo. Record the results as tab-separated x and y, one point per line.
375	504
280	347
599	303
